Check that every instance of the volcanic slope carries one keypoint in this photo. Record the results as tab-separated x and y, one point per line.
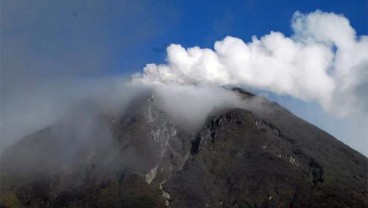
257	156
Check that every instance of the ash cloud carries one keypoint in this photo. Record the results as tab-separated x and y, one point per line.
323	61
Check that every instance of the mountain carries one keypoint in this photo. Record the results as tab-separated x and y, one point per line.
260	156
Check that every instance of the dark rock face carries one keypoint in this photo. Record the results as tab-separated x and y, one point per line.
262	156
243	161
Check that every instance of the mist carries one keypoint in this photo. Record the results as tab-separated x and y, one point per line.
24	113
189	106
55	54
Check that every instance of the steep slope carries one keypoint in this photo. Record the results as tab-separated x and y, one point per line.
259	156
267	157
88	155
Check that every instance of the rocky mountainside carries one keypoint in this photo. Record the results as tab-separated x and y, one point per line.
260	156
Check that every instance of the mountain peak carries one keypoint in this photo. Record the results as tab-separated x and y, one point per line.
260	155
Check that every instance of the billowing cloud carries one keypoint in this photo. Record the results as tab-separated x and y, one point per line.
323	61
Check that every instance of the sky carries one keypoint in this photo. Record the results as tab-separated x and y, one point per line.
43	42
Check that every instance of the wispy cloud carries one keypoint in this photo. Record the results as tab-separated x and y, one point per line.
52	52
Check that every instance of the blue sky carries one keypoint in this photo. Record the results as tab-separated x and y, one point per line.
122	36
45	40
200	23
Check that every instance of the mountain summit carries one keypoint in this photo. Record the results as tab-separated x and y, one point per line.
258	156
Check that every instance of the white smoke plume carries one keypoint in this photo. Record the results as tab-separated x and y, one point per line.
323	61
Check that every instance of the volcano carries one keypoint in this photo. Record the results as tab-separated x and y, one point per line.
259	156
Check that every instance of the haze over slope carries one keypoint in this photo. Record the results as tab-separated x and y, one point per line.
246	151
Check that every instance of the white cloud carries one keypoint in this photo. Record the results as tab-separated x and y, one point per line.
323	61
